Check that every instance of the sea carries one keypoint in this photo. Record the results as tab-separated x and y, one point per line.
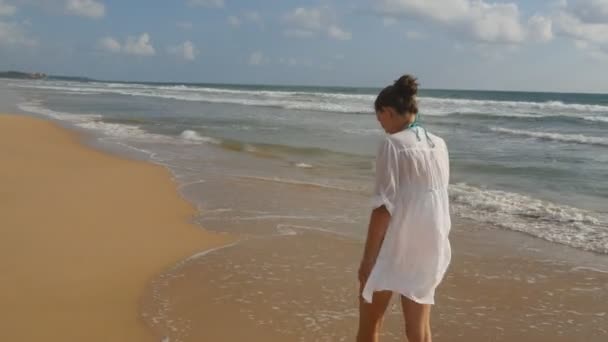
530	162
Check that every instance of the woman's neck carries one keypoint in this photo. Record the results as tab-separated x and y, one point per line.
409	120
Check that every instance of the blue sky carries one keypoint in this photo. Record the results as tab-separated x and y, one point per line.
465	44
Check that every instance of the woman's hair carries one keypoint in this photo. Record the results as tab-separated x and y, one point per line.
400	96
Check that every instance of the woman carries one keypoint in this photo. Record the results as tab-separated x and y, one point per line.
407	249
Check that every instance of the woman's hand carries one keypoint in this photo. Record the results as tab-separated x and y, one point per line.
378	225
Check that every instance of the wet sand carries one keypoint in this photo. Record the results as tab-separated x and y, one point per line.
300	285
82	234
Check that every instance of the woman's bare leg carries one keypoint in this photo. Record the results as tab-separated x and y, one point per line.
370	316
417	320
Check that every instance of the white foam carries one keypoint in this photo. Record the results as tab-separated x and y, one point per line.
596	118
35	107
274	217
250	148
304	166
91	122
362	131
194	136
114	129
291	229
516	107
569	138
592	269
205	252
328	102
68	89
296	182
550	221
286	230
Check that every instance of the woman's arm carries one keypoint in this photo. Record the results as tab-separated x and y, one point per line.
378	224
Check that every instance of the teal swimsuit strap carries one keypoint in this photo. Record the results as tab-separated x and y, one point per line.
415	124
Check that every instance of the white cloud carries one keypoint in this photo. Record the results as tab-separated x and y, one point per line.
309	22
414	35
586	23
589	11
540	28
337	33
13	34
569	24
234	21
139	46
109	44
207	3
496	22
185	50
184	25
474	19
252	17
7	9
85	8
439	10
306	18
256	58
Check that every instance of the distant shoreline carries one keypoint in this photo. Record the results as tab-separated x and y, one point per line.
5	74
23	75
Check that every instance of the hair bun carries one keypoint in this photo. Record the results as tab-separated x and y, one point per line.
407	85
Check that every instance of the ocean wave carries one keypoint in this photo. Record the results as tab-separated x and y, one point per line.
567	118
35	107
596	118
253	98
92	122
300	183
115	130
552	222
362	131
69	89
364	101
559	137
513	107
304	165
331	102
194	136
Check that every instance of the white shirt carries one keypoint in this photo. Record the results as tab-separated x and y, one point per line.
412	176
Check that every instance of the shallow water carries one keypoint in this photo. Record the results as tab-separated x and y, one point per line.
530	162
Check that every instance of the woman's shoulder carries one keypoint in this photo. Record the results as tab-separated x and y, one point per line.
437	139
405	137
412	139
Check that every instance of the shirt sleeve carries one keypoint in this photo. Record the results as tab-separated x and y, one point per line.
387	177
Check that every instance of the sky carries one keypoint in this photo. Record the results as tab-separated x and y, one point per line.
540	45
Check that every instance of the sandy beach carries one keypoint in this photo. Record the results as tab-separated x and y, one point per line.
207	170
95	247
82	234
